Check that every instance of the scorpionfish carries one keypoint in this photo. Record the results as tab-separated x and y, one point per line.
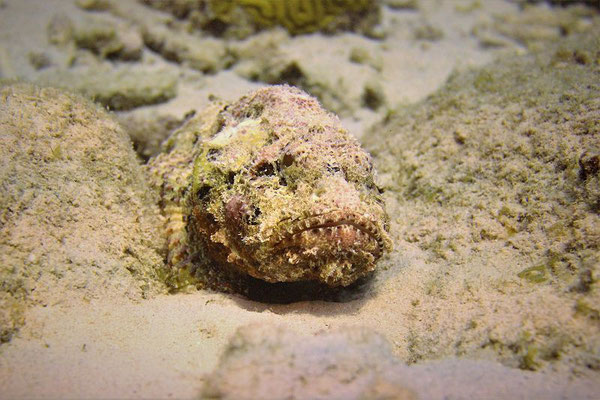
273	187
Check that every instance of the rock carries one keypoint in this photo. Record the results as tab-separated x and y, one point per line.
501	164
77	219
148	129
272	58
239	19
272	362
273	187
265	361
261	57
108	38
103	35
203	54
534	26
119	88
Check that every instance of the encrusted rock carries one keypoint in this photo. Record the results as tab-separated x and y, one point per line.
208	55
103	35
76	219
241	18
272	362
120	88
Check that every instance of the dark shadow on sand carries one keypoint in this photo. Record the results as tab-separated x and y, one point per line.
285	297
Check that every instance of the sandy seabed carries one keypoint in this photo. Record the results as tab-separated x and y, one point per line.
483	121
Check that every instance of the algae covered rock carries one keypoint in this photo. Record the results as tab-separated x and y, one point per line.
271	362
77	220
240	18
119	88
271	186
208	55
101	34
535	25
496	178
275	58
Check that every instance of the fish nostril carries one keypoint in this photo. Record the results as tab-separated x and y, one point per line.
231	178
252	217
287	160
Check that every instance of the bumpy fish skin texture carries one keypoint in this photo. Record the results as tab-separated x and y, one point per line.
274	187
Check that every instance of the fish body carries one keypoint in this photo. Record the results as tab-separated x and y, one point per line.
273	187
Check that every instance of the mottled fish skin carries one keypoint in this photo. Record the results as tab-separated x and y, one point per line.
274	187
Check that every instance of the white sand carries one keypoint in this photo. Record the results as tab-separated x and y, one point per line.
160	348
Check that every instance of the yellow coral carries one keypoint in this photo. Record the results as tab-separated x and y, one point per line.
297	16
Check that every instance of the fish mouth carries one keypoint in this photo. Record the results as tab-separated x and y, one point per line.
336	247
346	229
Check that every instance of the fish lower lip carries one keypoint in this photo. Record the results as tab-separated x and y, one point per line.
349	230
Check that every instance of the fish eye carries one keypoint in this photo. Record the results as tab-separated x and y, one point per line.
265	169
203	192
251	218
213	154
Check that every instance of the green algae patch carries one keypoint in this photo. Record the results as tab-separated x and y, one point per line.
583	308
12	314
528	361
537	274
